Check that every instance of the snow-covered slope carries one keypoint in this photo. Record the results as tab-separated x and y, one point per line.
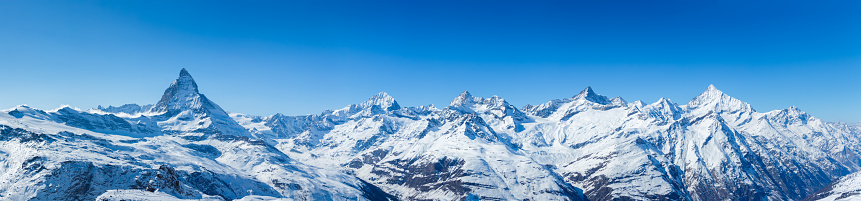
586	147
715	147
847	188
183	148
419	153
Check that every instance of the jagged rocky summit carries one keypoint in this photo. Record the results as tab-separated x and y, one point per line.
586	147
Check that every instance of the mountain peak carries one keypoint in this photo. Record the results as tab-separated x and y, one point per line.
719	101
664	101
199	114
590	95
793	110
185	81
588	89
465	94
618	100
712	90
182	94
711	94
382	99
381	95
462	98
184	73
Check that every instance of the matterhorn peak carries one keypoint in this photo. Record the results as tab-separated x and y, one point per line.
198	113
382	99
184	73
185	81
183	95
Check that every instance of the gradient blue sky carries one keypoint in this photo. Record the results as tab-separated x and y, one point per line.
299	57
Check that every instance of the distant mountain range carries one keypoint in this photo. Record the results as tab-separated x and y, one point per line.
586	147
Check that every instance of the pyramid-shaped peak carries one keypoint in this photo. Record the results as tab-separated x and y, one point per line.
185	81
717	100
587	90
181	94
711	93
590	95
184	73
713	89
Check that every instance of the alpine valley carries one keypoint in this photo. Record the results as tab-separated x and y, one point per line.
586	147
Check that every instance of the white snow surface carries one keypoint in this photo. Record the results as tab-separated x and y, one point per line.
587	146
70	154
141	195
713	148
847	188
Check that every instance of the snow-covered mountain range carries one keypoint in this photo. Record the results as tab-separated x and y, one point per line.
586	147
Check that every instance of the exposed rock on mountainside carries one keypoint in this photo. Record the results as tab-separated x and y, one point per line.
185	147
586	147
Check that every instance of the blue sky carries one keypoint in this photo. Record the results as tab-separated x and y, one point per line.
300	57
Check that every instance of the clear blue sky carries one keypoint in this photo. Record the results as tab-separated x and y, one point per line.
299	57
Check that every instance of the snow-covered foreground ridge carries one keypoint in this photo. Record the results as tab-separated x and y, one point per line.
586	147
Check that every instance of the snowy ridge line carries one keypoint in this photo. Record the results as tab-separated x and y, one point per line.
586	147
589	141
185	148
